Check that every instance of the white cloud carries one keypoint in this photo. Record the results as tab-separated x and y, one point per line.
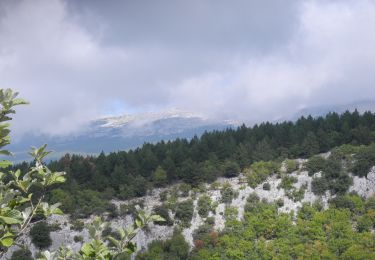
329	60
249	66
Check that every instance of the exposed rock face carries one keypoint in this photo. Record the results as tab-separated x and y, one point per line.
364	186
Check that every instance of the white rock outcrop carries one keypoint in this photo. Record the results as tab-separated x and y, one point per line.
364	186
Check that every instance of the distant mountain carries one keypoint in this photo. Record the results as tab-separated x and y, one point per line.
122	133
361	106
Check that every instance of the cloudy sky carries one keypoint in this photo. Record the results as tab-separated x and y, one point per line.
246	60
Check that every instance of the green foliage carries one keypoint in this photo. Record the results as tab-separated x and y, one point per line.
266	186
287	182
18	206
319	185
227	193
345	151
184	189
40	235
184	212
296	194
291	166
259	172
117	247
77	225
160	177
231	169
163	195
350	201
266	234
124	175
333	175
163	211
310	145
364	160
201	236
172	249
78	239
22	254
315	164
204	205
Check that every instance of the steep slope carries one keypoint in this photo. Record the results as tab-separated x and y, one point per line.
364	186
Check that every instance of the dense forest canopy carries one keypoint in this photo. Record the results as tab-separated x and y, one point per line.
91	181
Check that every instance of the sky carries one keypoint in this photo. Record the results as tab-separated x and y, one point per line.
76	61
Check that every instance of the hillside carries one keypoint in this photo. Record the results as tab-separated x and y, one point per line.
212	188
222	202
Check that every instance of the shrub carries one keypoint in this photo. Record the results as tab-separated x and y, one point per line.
174	248
319	185
215	186
231	169
22	254
280	203
204	206
315	164
202	232
352	202
184	189
184	212
306	212
341	184
266	186
227	193
287	182
252	202
364	160
78	239
40	235
345	152
210	221
77	225
297	194
131	209
160	177
163	211
112	210
291	166
163	195
259	172
364	223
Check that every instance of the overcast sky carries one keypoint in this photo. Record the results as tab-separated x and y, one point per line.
244	60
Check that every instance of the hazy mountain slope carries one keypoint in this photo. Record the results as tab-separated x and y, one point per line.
122	133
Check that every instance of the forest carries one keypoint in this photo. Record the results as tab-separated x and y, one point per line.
93	180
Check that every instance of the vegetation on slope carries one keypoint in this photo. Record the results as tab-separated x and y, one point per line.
93	181
343	231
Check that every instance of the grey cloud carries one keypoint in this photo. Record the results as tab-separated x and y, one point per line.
245	60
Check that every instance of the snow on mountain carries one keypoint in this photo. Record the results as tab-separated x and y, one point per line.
124	132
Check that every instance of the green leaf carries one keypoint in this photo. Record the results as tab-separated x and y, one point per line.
10	221
87	249
157	218
11	217
5	152
113	240
7	242
5	163
19	101
138	222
